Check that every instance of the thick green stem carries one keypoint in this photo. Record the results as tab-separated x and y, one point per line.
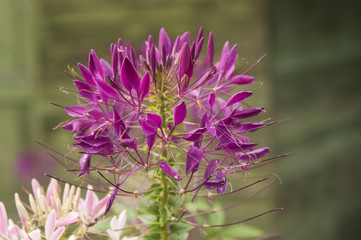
164	205
164	182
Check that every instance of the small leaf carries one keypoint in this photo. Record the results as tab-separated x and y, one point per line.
180	228
152	236
174	201
155	229
179	237
153	210
147	218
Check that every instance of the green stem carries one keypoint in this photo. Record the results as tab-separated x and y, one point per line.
164	181
164	204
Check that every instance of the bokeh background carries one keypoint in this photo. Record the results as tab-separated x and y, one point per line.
311	74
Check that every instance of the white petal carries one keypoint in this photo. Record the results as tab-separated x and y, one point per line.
35	235
114	235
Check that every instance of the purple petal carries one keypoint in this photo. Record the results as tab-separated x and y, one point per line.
212	98
150	140
232	56
129	76
108	71
209	126
253	155
111	199
144	86
200	34
153	120
211	168
242	79
79	124
169	171
238	97
85	90
107	91
184	38
76	111
222	176
179	113
194	157
164	41
185	62
84	165
128	143
114	56
194	135
210	49
238	147
199	46
94	65
247	113
251	127
87	75
146	129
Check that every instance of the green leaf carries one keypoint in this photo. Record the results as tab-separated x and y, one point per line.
164	217
179	237
155	229
180	228
148	218
153	210
152	236
174	201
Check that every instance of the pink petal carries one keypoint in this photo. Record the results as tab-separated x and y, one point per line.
35	186
89	201
68	219
3	220
57	234
50	224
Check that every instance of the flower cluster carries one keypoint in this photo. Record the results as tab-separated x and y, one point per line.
169	109
49	215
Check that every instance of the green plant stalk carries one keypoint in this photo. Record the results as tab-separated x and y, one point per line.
164	180
164	204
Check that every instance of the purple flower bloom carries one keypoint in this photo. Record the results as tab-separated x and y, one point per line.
171	109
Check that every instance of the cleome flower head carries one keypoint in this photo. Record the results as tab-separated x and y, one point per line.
168	109
168	119
49	216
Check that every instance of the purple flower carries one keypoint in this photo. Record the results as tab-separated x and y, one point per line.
169	109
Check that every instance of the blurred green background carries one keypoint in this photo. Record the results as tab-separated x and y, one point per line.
312	74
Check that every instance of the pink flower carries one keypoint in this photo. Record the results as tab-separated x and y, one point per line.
50	227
